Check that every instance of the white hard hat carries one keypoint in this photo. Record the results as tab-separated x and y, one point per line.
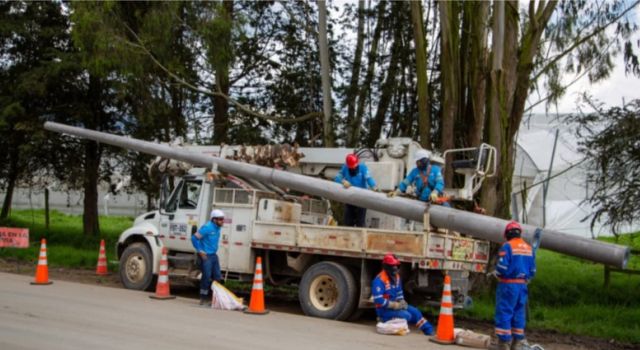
217	213
421	153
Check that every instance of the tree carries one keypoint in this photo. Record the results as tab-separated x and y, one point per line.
34	41
531	50
610	140
424	122
323	46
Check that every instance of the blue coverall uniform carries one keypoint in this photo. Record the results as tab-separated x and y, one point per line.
516	265
384	291
425	181
208	243
354	216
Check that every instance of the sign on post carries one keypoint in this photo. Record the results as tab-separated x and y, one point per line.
14	237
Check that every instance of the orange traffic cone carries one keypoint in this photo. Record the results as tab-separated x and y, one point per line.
162	287
101	269
256	304
42	271
444	333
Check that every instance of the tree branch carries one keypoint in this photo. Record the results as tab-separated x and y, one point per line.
241	107
581	41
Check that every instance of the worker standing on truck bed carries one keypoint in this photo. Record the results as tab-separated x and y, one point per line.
516	266
354	174
425	177
389	299
206	243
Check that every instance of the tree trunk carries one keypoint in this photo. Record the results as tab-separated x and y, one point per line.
11	183
323	46
389	84
352	92
220	104
424	123
509	88
371	63
450	57
477	77
90	186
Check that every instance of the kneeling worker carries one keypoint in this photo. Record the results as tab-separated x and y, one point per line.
389	300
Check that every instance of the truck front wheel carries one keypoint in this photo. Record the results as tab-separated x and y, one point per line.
328	290
136	271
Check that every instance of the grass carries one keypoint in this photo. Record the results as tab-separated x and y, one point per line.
568	295
67	246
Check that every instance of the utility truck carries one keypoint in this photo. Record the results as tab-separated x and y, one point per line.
331	265
269	214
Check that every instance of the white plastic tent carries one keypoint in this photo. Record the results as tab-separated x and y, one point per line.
565	208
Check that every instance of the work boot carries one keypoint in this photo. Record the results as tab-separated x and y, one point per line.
426	328
502	345
204	301
520	344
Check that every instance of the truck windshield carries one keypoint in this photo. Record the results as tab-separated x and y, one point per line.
190	194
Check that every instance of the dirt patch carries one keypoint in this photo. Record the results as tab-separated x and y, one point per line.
550	340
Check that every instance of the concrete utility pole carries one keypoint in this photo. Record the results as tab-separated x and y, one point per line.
476	225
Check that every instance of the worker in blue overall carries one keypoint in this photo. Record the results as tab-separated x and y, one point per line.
425	177
354	174
387	294
516	266
205	241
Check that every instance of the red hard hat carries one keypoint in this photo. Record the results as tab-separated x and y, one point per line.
352	161
390	259
512	225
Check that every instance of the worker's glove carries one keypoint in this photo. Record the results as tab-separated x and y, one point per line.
346	184
433	196
395	305
392	193
493	274
403	304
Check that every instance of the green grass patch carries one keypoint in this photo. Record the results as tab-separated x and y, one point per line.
67	246
568	295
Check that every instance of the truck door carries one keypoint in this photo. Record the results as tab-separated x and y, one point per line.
182	214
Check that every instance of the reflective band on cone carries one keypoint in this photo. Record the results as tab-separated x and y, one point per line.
162	287
101	268
444	333
256	304
42	271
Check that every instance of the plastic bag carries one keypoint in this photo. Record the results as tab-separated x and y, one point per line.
396	326
224	299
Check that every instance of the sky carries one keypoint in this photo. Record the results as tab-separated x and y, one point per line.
612	91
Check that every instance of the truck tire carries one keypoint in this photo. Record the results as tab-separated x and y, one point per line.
136	271
328	290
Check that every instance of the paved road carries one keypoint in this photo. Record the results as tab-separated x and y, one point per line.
69	316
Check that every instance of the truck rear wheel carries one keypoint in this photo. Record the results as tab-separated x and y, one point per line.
328	290
136	271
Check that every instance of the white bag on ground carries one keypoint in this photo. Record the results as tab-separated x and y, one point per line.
224	299
396	326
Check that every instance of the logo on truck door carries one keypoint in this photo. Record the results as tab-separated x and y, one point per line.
178	229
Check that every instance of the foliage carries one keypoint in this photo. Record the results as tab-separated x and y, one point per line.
67	246
610	139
